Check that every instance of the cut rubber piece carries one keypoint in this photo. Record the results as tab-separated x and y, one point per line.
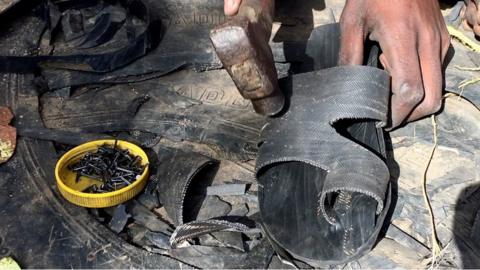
177	169
324	184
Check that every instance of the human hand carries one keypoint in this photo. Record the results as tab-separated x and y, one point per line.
414	41
472	15
230	7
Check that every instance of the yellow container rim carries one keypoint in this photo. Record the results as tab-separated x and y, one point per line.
101	200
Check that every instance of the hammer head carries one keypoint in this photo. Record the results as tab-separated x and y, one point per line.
242	46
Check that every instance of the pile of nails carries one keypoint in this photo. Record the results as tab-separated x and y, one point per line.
113	167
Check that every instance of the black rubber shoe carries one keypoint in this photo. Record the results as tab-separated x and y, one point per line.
324	187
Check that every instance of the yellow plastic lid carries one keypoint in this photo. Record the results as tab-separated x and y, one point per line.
72	191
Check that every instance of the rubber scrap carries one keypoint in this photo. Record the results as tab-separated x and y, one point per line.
72	24
8	135
160	240
146	218
137	235
149	197
119	219
212	207
203	257
239	210
228	189
224	239
230	239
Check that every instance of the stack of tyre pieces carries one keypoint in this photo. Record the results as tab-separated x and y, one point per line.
99	42
91	36
178	26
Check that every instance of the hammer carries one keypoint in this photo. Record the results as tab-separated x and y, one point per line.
242	46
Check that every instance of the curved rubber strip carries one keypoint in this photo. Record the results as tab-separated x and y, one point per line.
105	27
177	169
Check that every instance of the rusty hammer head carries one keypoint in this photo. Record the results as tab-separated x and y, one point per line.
242	46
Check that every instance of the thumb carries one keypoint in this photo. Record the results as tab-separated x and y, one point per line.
230	7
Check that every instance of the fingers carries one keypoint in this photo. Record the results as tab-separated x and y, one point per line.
471	13
431	58
352	38
400	59
476	27
472	16
230	7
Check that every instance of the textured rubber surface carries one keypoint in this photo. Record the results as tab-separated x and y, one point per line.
322	100
324	184
177	169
